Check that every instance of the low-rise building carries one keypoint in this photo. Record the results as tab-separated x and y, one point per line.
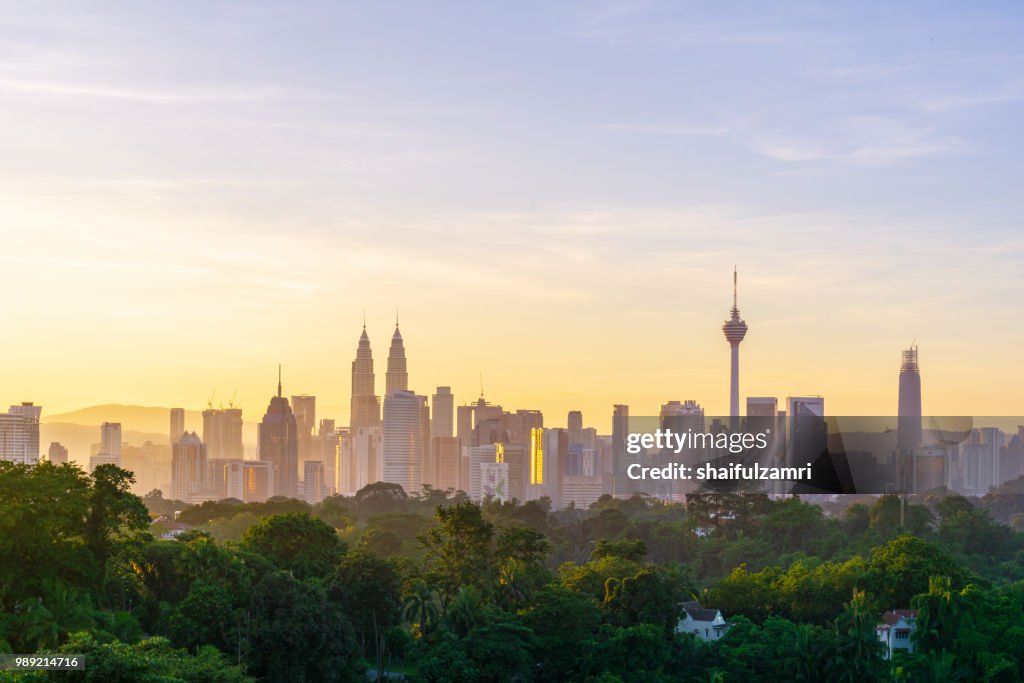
896	629
706	623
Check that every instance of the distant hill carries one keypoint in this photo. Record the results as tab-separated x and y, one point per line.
79	429
78	438
154	420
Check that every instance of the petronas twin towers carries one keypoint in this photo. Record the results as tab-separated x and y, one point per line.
365	401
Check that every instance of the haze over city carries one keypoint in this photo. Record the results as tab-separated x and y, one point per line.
193	194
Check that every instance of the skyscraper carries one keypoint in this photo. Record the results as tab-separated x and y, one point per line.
304	407
735	330
620	459
222	433
404	442
188	468
443	405
278	444
397	377
109	450
314	482
19	434
177	424
575	423
762	406
908	424
365	402
58	454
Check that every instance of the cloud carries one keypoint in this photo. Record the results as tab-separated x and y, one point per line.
868	140
1008	92
671	130
139	93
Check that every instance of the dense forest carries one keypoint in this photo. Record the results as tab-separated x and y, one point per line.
433	587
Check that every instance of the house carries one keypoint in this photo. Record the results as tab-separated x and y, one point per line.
896	629
706	623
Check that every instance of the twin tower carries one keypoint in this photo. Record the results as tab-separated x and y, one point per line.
365	401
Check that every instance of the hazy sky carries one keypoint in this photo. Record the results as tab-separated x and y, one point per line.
551	193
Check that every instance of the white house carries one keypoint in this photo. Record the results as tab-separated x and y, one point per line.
895	630
705	623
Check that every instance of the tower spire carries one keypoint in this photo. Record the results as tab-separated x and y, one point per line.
364	320
279	380
734	279
396	317
735	329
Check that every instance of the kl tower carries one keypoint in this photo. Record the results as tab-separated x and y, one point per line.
735	330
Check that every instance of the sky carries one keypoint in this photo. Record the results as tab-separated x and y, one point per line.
550	194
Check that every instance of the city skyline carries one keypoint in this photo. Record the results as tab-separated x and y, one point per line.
588	190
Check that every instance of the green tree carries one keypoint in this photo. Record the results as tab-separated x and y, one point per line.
297	543
367	589
901	568
652	596
115	517
459	551
857	654
626	548
565	624
298	634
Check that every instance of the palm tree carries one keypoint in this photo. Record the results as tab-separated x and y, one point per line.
465	612
420	608
46	620
511	581
858	652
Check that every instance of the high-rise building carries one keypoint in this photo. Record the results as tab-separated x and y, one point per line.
278	444
762	406
222	433
479	456
582	491
548	452
980	460
404	442
365	460
909	434
806	433
189	469
257	481
443	405
536	466
494	482
109	452
930	466
464	425
19	434
58	454
365	402
314	484
735	329
620	460
575	423
304	409
516	456
325	448
177	424
680	417
234	478
397	377
446	458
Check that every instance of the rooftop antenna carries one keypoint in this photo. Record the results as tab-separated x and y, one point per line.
481	384
396	317
734	279
278	380
364	320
